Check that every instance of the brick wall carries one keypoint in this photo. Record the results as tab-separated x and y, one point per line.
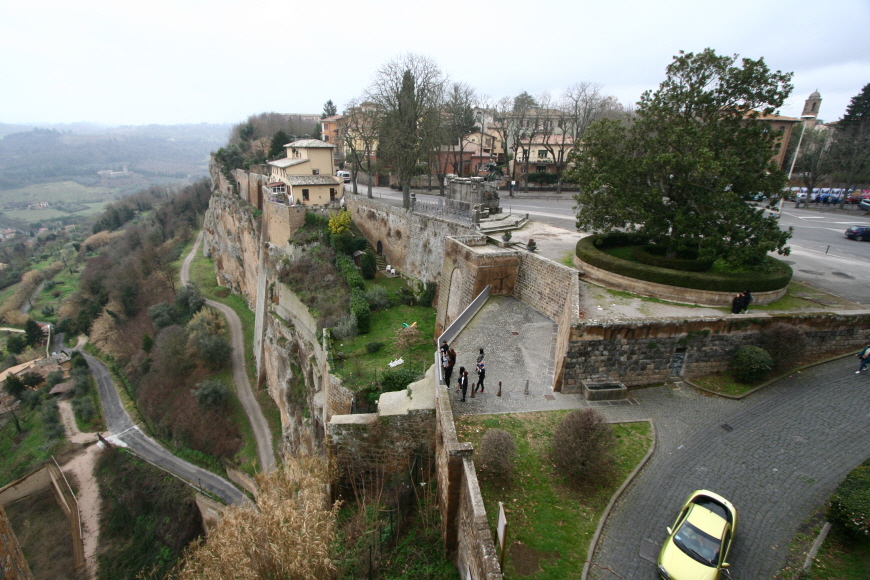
12	561
547	286
641	352
250	186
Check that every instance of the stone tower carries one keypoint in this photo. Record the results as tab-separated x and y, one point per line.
812	106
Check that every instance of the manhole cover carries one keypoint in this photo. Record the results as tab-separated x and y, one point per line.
550	397
843	275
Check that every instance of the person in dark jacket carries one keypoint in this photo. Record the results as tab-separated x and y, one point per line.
463	382
737	304
747	300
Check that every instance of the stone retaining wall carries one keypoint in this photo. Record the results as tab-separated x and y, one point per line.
648	351
663	291
12	562
465	532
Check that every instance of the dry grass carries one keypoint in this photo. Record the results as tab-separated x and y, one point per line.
288	535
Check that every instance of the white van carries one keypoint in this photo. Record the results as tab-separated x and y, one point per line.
344	175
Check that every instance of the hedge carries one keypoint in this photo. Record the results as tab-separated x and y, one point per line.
654	256
775	275
850	504
359	306
348	270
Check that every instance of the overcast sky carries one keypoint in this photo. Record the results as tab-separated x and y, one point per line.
218	61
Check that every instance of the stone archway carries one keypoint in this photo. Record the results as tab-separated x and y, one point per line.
380	248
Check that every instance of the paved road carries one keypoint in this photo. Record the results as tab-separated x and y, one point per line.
122	429
787	449
240	376
821	254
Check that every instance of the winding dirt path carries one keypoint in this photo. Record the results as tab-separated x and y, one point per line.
240	376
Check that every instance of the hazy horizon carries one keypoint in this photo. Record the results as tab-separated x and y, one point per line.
193	62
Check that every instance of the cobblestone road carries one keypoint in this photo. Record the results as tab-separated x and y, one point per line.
776	455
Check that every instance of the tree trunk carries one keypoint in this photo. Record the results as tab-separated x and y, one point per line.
369	172
406	194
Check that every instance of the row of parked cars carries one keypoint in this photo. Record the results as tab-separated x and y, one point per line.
830	195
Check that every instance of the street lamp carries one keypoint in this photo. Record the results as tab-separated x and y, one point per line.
797	150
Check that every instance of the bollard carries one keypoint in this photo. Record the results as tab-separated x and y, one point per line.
499	390
527	387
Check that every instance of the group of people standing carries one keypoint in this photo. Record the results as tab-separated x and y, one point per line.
741	302
448	360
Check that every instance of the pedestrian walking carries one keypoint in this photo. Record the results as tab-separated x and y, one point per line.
445	361
443	348
747	300
463	382
481	373
864	355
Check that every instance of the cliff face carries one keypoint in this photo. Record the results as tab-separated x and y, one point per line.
232	240
292	363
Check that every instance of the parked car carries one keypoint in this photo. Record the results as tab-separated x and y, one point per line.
858	233
344	175
697	545
864	204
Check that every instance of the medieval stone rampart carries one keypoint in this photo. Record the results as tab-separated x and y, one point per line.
12	562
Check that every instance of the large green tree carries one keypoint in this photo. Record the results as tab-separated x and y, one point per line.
850	150
682	169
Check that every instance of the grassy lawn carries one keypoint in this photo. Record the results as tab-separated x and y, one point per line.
725	384
66	284
359	367
555	522
66	191
841	558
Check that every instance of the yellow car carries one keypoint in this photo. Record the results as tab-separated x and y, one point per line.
697	546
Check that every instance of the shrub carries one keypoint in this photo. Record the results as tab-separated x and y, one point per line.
581	447
772	274
406	297
348	270
359	307
751	364
374	346
47	310
16	343
14	386
188	301
316	219
162	314
340	222
31	379
498	453
378	298
346	329
785	344
368	264
850	504
397	379
78	361
428	294
211	394
215	351
83	408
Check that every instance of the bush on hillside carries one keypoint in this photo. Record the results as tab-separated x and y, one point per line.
785	344
212	394
582	444
751	364
498	453
850	504
348	270
428	294
397	379
368	264
346	329
378	298
359	307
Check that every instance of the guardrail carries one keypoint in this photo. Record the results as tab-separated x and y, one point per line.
455	327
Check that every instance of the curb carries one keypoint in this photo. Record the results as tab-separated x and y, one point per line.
628	480
769	382
814	550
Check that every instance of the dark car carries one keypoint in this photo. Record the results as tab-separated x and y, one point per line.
858	233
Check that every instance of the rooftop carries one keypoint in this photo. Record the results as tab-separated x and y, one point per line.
287	162
310	144
313	180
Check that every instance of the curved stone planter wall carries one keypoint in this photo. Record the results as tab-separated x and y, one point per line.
665	292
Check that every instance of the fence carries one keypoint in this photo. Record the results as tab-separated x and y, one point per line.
451	332
461	216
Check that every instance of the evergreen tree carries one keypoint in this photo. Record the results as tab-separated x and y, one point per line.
276	147
33	333
329	109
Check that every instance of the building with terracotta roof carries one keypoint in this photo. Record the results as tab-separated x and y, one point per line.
307	175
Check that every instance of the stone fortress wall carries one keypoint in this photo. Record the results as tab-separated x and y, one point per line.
425	248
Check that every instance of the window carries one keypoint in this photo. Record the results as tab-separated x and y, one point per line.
315	172
304	195
331	194
541	168
542	153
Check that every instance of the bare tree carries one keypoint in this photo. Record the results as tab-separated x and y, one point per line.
813	161
458	123
519	121
358	129
501	122
406	92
